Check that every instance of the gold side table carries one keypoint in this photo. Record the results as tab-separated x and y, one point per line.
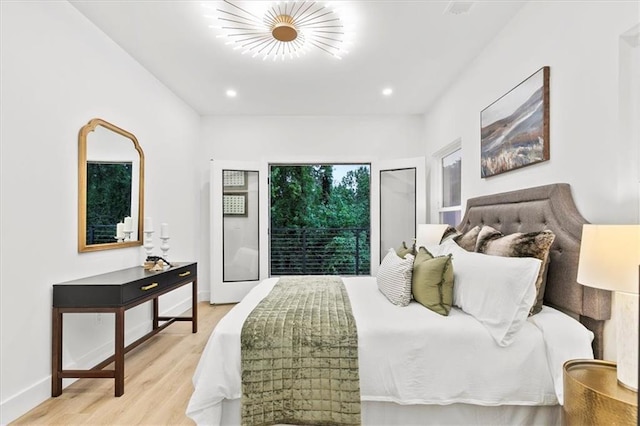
593	396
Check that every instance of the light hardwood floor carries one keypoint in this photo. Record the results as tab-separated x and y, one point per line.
157	384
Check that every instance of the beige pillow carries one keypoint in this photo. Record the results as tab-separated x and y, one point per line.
531	244
432	281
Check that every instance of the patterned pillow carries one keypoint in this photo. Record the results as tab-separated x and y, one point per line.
449	233
394	278
432	281
532	244
468	240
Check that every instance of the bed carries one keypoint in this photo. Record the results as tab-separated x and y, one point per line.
459	375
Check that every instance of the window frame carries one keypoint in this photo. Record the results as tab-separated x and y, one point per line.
437	199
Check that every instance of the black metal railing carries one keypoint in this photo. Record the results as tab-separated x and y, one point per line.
320	251
100	234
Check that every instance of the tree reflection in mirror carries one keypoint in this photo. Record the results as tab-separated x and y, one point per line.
108	199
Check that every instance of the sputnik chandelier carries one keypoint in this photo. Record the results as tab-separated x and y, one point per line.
284	29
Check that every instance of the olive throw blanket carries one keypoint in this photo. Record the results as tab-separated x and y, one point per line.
299	350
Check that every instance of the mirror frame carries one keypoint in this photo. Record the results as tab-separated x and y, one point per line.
82	188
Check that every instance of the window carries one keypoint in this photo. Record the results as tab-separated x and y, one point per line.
446	188
320	219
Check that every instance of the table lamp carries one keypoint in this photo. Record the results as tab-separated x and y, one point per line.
430	234
609	260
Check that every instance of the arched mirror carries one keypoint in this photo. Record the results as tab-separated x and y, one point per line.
110	187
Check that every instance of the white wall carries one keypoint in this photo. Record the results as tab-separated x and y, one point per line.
580	42
58	72
341	139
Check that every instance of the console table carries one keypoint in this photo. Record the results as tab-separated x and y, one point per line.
115	292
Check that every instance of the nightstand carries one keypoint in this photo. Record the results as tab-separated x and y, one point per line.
592	395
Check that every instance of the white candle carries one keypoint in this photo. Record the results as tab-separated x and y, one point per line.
127	224
164	230
120	231
148	224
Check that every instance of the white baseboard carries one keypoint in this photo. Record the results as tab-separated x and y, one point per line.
204	296
20	403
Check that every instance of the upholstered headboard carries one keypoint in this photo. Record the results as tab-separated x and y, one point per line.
548	207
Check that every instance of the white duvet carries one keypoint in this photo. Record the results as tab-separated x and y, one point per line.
411	355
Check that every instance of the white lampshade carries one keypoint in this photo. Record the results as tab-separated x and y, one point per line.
609	257
430	234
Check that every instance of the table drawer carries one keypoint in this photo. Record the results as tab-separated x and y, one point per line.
157	283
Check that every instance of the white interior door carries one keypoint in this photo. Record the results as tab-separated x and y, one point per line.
398	204
239	217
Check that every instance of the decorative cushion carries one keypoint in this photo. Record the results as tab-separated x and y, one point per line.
432	281
449	233
468	239
394	277
498	291
532	244
403	250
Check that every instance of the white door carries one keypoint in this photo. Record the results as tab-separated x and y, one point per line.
239	217
398	204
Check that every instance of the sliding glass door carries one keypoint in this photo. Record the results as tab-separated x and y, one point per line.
244	248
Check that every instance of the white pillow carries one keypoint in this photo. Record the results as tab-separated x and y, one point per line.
498	291
394	278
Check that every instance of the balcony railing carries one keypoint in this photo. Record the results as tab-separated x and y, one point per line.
320	251
100	234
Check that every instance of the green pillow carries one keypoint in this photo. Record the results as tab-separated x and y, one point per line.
403	250
432	281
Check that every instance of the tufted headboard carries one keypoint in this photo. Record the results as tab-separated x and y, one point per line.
548	207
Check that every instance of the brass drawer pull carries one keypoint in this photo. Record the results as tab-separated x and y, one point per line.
148	287
184	274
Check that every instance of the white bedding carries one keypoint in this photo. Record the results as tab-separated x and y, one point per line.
411	355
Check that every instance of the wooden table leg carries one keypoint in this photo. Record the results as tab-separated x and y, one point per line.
119	352
194	306
156	323
56	352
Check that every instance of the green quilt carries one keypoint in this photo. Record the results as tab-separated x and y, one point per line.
300	356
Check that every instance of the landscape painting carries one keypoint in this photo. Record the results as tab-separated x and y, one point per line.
515	128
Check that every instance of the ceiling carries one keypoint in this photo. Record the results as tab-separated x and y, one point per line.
413	47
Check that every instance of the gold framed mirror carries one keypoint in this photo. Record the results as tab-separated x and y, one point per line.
110	187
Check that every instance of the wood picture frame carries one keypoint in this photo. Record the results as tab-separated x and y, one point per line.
514	130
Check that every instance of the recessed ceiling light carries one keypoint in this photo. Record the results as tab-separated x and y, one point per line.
387	91
231	93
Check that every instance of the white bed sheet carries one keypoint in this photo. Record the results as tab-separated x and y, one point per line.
411	355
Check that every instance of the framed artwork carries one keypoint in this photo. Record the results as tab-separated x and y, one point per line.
234	204
234	179
515	128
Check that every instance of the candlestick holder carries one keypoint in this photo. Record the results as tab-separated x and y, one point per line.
148	242
127	235
164	245
118	239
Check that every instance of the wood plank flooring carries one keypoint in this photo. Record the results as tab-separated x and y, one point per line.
157	382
